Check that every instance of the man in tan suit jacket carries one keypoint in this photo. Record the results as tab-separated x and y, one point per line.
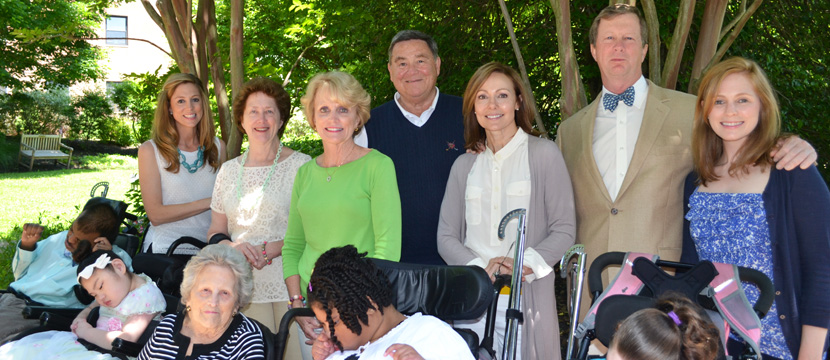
633	201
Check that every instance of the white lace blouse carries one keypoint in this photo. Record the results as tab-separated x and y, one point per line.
258	217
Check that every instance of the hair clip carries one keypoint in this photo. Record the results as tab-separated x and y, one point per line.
100	263
674	317
309	287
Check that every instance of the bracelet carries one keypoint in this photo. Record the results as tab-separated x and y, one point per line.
293	298
218	237
265	254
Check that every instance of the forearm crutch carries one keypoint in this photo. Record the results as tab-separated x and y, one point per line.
577	271
514	308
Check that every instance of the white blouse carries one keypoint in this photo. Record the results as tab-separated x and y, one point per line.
497	184
258	217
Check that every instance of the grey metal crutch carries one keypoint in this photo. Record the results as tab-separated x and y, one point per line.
514	308
577	271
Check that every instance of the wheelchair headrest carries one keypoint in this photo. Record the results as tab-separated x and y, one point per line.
614	310
446	292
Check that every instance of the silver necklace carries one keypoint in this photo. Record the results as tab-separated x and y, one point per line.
328	179
267	178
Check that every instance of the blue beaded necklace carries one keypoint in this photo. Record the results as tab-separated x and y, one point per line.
200	160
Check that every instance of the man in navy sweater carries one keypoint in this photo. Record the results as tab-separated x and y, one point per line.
422	131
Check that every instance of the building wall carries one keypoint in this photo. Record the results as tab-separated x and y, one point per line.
135	56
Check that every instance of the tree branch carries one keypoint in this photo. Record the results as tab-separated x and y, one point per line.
296	62
133	39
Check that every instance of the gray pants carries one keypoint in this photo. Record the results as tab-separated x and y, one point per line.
11	309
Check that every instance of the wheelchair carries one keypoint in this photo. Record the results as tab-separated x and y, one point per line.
642	279
447	292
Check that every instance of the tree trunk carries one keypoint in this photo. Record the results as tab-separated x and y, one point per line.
678	43
529	96
653	25
573	92
237	68
707	41
226	124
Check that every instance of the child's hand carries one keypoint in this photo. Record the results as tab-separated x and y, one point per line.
322	347
101	243
75	324
402	352
31	235
81	327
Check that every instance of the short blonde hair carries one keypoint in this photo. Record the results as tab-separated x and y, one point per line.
707	146
346	90
220	255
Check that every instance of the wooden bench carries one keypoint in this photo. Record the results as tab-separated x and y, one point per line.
43	147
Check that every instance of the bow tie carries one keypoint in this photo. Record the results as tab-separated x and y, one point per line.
610	101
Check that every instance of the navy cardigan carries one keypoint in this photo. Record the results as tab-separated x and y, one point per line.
797	205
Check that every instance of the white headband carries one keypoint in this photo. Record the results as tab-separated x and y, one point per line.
101	263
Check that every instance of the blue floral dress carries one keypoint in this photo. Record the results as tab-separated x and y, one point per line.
732	228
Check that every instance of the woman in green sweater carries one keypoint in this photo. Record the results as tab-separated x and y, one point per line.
347	195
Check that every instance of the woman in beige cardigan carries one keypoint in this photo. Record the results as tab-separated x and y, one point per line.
516	169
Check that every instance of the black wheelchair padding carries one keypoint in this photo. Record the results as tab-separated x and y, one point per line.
614	310
689	283
446	292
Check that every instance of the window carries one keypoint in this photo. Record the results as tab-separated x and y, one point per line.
117	30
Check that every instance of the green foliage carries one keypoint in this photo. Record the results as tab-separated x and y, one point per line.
35	112
9	148
43	42
92	115
307	144
136	99
133	198
115	130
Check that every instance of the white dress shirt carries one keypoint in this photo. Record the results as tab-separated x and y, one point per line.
615	135
363	140
497	184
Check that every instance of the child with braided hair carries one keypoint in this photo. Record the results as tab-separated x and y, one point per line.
352	298
676	329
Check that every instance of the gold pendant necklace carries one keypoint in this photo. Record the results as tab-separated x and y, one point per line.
328	178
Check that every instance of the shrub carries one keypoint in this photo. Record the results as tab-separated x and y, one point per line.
116	131
136	100
93	112
35	112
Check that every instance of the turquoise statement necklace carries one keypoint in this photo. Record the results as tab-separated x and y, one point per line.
200	160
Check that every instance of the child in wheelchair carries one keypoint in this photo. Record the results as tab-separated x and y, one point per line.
352	298
44	270
676	329
128	302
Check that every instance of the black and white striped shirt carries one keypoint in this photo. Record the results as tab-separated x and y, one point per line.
242	340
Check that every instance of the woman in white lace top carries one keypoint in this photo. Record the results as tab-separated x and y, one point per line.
252	194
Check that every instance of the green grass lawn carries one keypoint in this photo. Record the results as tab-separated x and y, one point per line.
54	198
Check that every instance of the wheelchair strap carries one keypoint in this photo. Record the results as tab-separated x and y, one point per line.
725	289
689	283
625	283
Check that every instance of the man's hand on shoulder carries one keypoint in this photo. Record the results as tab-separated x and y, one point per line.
31	235
793	151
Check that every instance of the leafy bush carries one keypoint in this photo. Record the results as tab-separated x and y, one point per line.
93	112
136	100
116	131
35	112
307	144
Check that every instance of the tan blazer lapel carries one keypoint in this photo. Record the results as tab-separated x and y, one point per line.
654	115
587	150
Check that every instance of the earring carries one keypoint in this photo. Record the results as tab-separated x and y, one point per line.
187	308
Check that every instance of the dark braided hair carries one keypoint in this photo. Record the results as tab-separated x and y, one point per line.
348	281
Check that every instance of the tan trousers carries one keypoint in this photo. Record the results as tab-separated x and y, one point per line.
270	314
